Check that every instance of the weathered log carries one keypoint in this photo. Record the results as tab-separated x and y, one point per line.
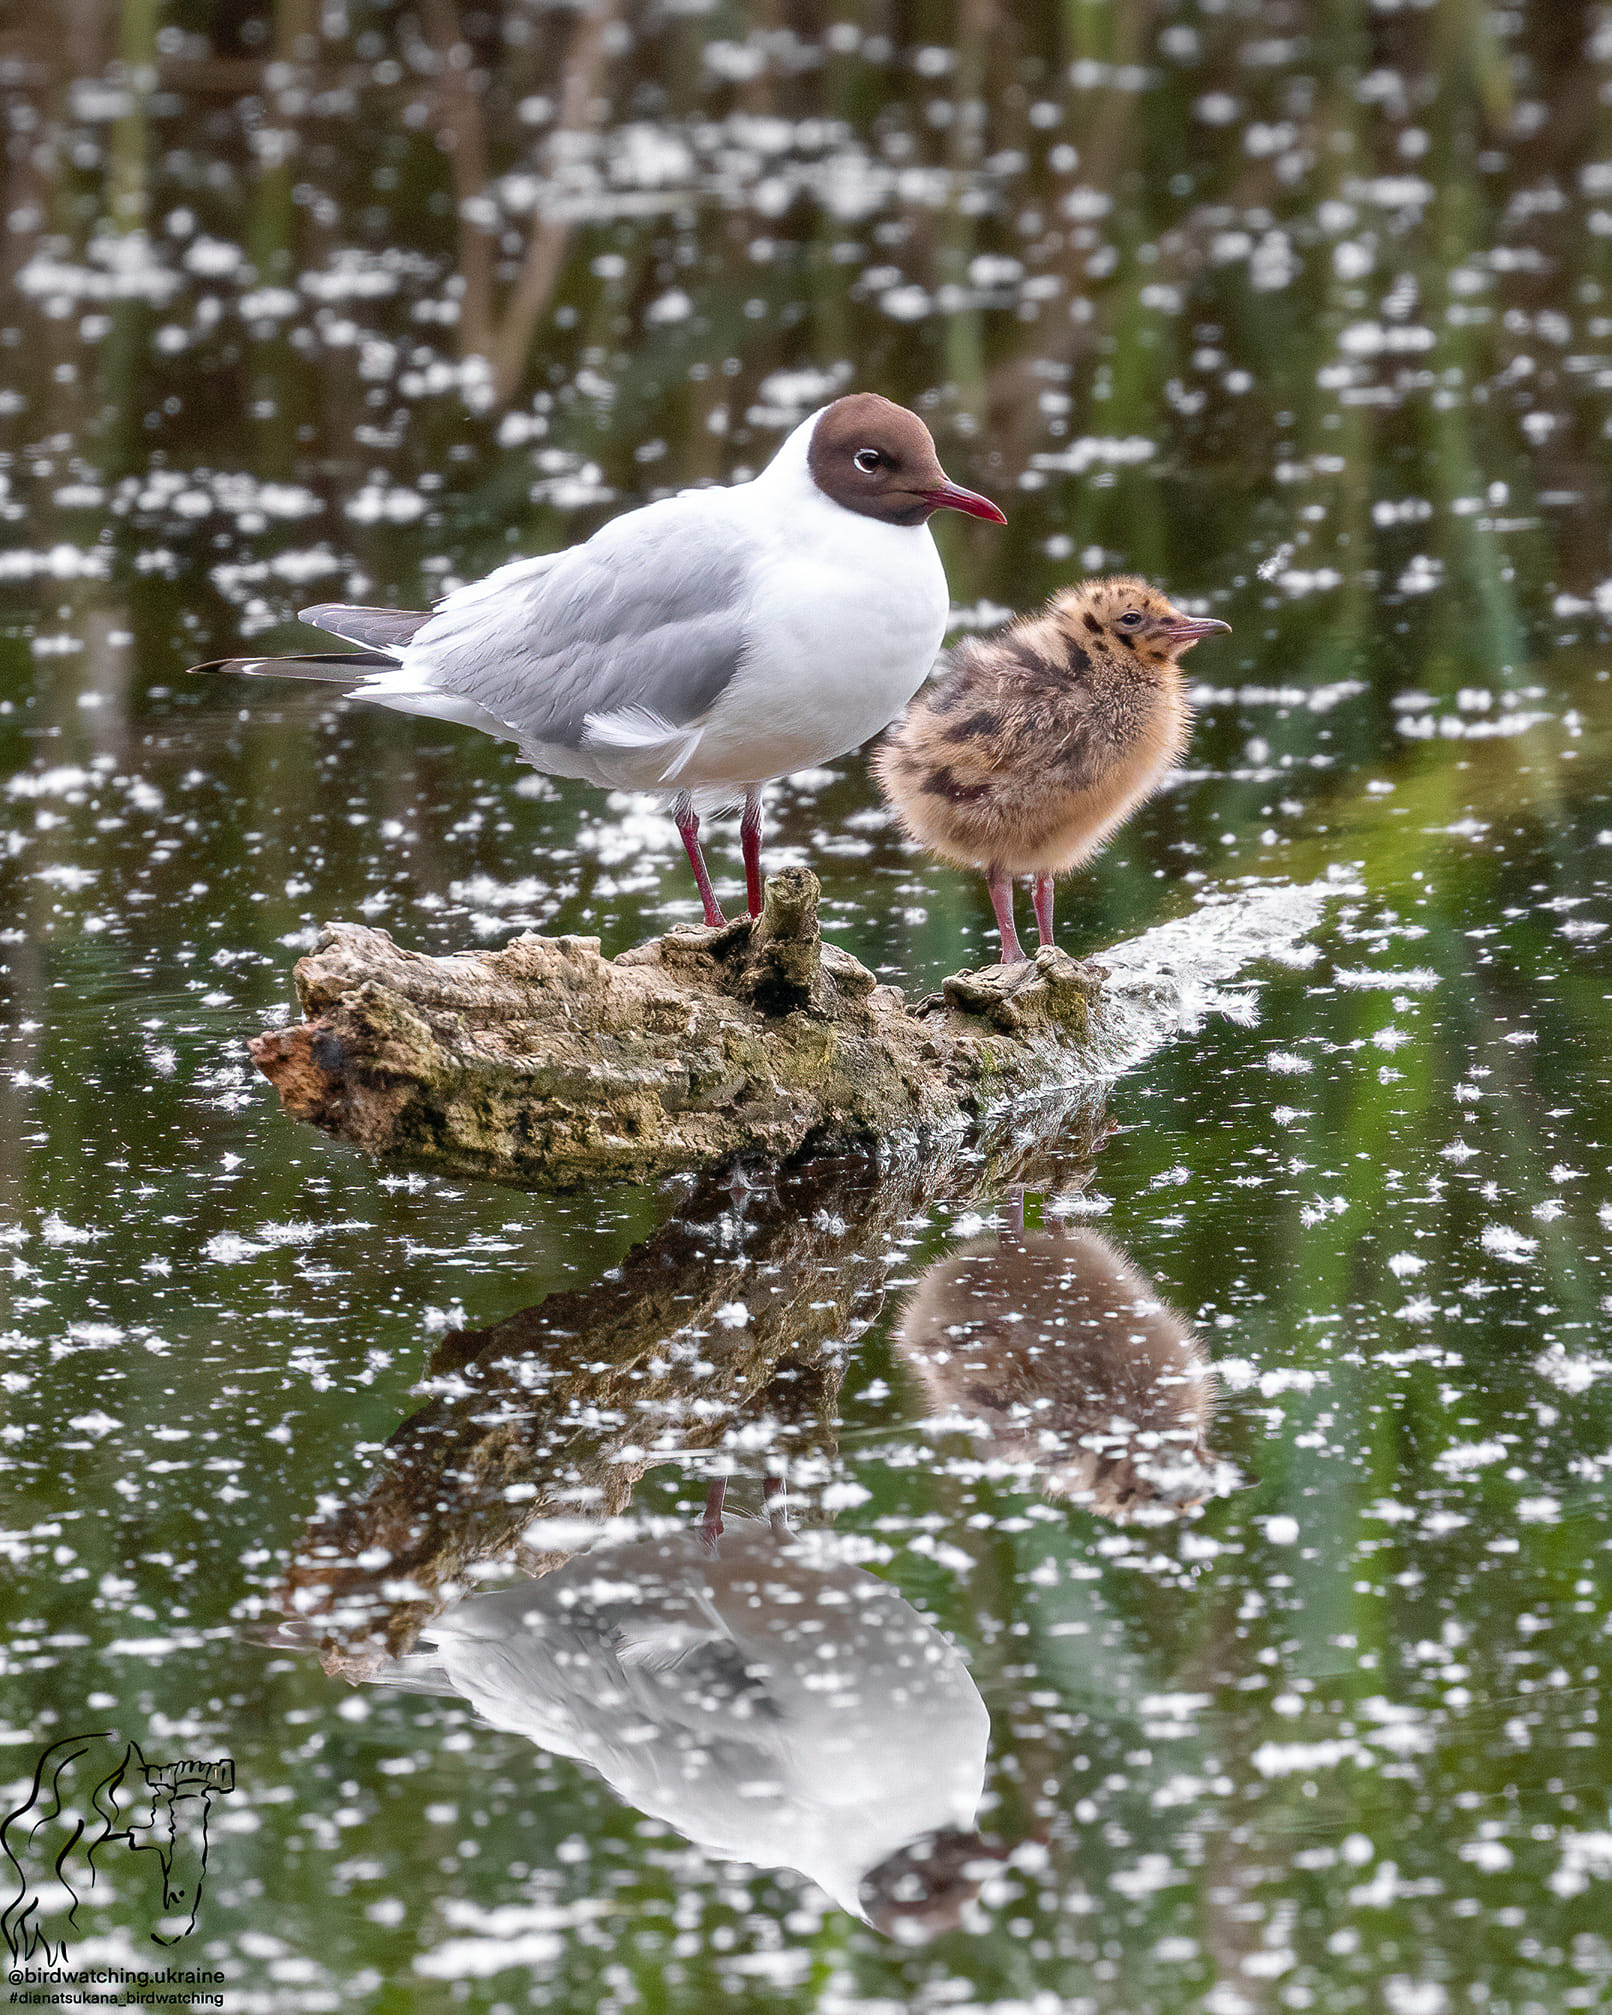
547	1065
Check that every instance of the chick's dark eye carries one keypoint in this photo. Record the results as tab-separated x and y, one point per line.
1130	619
867	460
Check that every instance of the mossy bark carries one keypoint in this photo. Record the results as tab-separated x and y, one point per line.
547	1065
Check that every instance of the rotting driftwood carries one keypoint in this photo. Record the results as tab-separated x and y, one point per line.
547	1065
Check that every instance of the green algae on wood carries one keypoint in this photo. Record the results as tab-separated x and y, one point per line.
547	1065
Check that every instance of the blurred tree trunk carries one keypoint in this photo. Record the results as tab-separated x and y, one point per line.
503	335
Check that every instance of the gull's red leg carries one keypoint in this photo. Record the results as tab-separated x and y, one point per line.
1000	884
750	840
712	1528
1043	907
689	826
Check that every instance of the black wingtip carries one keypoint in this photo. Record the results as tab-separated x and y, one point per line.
330	666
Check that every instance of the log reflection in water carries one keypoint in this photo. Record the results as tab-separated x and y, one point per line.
1061	1355
727	1328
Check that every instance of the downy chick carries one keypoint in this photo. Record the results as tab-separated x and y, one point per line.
1036	744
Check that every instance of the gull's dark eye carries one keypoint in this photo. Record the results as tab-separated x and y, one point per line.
1130	619
867	460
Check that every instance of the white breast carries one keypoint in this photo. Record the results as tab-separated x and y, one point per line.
845	621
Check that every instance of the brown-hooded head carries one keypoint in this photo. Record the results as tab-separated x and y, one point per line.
924	1889
879	460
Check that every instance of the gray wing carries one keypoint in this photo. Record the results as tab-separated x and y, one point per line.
646	618
587	1657
381	629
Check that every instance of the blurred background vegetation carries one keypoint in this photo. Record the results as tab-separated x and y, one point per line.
1300	243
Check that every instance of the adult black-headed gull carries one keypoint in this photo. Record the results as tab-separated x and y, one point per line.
701	646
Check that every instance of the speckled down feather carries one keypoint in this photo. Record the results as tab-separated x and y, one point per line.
1034	745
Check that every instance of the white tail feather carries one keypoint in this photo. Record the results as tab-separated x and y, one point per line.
643	730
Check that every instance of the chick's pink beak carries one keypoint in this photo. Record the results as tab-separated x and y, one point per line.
953	497
1188	629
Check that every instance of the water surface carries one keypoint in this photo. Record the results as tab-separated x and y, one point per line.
1302	312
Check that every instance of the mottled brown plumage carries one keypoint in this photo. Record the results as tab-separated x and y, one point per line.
1063	1356
1035	744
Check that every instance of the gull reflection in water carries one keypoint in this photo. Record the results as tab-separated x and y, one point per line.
753	1688
1054	1350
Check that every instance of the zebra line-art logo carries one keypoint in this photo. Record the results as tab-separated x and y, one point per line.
94	1795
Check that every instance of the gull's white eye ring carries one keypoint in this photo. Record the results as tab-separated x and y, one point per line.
867	460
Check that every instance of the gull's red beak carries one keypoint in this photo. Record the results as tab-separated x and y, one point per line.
953	497
1187	630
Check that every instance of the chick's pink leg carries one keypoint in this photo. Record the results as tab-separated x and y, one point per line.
1043	907
750	840
689	826
1000	884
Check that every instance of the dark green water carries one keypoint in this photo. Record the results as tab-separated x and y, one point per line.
1304	311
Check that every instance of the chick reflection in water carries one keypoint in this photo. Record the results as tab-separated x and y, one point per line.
775	1704
1061	1355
